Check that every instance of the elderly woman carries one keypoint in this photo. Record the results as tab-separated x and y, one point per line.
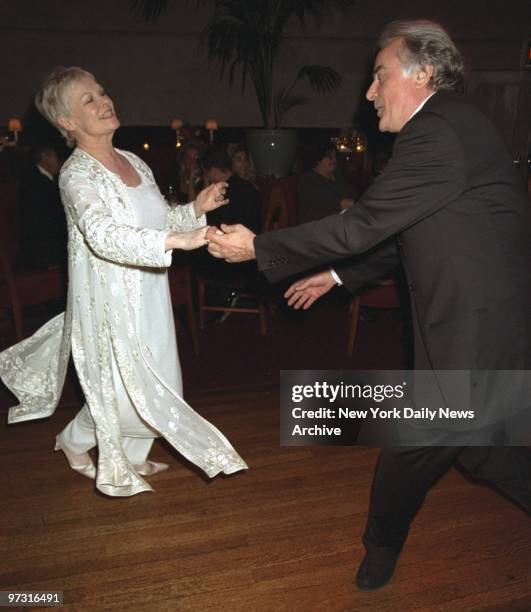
118	322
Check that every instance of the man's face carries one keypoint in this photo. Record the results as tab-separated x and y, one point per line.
393	92
50	161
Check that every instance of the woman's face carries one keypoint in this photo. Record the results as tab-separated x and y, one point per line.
91	110
240	164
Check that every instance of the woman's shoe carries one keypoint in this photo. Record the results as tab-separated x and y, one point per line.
79	463
151	467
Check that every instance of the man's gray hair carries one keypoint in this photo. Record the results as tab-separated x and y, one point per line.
427	43
52	98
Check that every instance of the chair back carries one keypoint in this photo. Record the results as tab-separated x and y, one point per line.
289	185
276	210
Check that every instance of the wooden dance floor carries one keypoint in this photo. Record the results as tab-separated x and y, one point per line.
284	536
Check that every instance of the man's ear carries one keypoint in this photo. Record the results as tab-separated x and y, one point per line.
423	76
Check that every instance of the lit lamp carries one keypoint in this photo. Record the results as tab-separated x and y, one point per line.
360	143
146	146
211	125
176	125
343	144
15	126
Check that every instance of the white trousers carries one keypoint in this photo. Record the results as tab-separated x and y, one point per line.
80	435
137	436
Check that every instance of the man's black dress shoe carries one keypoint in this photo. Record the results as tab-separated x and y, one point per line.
376	569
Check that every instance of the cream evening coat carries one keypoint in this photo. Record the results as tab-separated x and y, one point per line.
107	254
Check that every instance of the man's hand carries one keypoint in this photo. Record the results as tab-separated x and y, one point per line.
210	198
305	292
235	243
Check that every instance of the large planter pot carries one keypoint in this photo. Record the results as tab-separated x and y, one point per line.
273	151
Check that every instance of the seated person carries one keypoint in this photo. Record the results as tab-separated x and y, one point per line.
43	235
190	179
244	207
242	164
322	191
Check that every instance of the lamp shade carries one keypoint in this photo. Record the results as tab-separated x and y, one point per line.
14	125
176	124
211	124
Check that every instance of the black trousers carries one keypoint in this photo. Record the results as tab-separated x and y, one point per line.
404	476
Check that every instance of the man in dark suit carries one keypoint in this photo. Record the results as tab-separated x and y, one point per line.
43	234
452	207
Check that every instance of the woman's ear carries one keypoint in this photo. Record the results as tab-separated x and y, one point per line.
66	123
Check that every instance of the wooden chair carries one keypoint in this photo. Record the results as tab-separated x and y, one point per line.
276	211
21	287
244	291
274	216
180	280
382	294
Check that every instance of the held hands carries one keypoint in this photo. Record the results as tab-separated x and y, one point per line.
305	292
234	243
187	241
210	198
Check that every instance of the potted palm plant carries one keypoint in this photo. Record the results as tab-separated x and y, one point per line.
245	37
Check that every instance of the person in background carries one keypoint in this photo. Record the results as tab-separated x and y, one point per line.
190	179
244	207
242	164
118	323
42	219
244	202
322	191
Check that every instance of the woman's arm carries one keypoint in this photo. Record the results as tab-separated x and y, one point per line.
105	236
192	216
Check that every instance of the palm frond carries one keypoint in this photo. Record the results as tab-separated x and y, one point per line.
283	102
321	78
317	9
148	10
245	37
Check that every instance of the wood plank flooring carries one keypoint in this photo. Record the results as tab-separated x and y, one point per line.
284	536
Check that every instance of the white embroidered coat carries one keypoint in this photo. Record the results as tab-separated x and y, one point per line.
106	253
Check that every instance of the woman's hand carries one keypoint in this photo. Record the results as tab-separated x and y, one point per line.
210	198
187	241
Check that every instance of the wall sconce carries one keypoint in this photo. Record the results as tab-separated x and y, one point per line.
176	125
211	125
145	146
15	126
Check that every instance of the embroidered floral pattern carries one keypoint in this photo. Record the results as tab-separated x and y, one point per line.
107	252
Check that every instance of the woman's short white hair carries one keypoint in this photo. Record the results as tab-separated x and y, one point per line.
52	98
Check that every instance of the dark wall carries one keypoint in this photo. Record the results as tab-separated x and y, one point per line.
156	72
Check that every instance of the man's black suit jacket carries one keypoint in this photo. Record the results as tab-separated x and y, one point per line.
43	234
452	207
